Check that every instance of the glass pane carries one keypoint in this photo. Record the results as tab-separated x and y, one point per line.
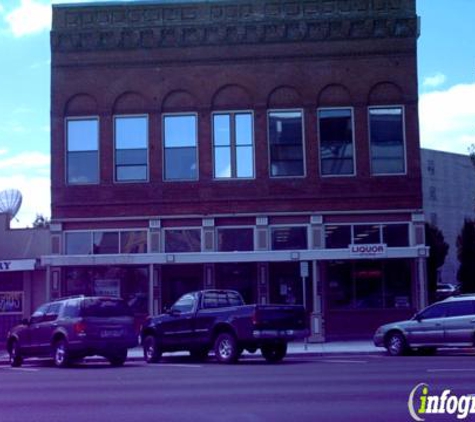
83	167
337	237
397	283
106	242
336	141
340	284
387	140
131	132
369	284
133	242
180	163
289	238
131	157
230	240
286	143
366	234
245	164
180	131
244	129
186	240
83	135
222	162
395	235
78	243
125	173
222	128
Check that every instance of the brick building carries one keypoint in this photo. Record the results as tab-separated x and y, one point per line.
266	146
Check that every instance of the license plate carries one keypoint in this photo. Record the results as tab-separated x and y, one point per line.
111	333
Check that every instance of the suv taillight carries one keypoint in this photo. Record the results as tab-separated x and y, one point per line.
80	328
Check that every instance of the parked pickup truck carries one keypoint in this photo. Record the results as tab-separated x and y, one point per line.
219	320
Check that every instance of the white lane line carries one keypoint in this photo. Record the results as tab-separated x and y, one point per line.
180	365
450	370
22	369
342	361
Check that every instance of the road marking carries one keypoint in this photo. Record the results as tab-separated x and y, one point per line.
450	370
22	369
180	365
343	361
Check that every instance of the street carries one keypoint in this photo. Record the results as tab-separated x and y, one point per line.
303	388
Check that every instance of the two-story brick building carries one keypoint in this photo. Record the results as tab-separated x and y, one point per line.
269	146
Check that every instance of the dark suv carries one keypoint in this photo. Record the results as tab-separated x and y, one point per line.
72	328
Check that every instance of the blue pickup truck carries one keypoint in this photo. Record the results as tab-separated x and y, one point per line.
218	320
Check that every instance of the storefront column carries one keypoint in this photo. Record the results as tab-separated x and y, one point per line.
422	297
263	283
155	304
316	316
209	276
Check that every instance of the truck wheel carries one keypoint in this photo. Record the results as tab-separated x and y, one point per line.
274	352
61	354
15	357
118	358
151	350
226	348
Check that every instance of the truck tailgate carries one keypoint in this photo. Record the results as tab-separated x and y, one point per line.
281	317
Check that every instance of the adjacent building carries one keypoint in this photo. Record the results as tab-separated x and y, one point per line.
449	193
267	146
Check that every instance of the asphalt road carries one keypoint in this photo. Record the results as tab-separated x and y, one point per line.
311	388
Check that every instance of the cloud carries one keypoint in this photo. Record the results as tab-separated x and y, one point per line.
29	18
29	173
447	119
434	81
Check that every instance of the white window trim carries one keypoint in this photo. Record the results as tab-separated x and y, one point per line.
234	113
147	179
355	163
164	237
304	152
66	149
197	155
403	139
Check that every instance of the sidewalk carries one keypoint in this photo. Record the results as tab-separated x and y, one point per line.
294	349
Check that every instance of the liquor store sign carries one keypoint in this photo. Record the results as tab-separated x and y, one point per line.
378	250
11	303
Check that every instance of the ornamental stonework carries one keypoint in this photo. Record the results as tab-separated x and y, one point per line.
157	25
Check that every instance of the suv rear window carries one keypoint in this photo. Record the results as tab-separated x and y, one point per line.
105	307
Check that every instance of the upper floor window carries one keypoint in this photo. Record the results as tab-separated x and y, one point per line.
289	238
235	239
131	139
286	143
233	141
180	141
182	240
386	128
336	142
82	150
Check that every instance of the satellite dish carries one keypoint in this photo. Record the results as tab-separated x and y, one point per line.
10	202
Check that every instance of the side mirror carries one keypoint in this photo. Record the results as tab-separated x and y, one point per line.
173	311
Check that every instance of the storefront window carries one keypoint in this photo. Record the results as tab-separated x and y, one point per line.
106	242
337	237
289	238
366	234
396	235
183	240
133	242
78	243
235	239
241	277
367	284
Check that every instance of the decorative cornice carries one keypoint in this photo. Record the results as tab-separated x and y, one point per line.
157	25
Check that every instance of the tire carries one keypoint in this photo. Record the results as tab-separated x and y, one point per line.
275	352
119	358
226	348
61	354
15	356
396	344
199	355
151	350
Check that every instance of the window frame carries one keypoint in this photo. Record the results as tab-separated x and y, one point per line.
304	152
147	144
353	141
233	146
164	147
404	140
68	119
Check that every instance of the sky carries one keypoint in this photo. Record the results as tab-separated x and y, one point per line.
446	69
